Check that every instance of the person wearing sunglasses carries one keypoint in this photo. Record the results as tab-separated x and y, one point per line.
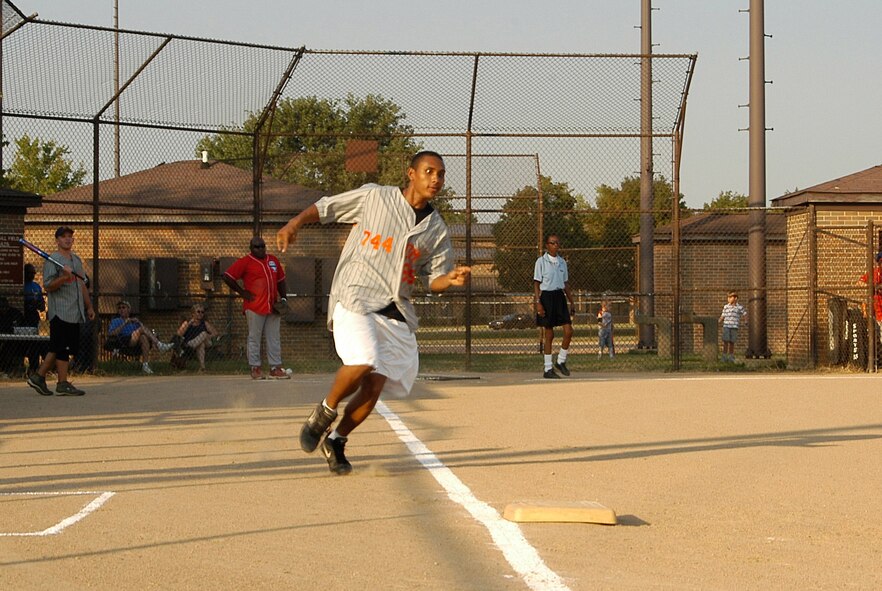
262	287
553	302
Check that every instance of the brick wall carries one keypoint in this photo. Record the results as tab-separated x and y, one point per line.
842	251
187	243
709	269
797	272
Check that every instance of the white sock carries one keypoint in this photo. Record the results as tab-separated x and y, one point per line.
547	362
562	355
325	404
334	435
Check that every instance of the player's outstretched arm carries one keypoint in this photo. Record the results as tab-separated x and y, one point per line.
288	234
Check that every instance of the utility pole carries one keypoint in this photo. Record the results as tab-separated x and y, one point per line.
647	222
116	168
758	347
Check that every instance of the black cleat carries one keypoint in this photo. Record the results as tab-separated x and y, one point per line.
38	383
315	426
562	368
551	375
67	389
333	452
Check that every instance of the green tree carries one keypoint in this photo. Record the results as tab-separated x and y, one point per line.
619	209
42	167
307	137
614	222
727	200
517	233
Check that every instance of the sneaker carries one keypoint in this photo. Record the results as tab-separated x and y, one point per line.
38	383
317	423
562	368
256	374
145	367
277	373
551	375
333	452
165	347
67	389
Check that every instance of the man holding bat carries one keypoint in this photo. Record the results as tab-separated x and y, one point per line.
69	304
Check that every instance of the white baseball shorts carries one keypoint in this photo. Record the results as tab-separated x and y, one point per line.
387	345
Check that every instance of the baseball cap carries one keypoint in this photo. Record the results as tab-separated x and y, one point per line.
63	230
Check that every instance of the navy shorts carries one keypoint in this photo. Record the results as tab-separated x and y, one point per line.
557	312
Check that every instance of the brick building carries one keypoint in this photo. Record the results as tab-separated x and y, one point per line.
832	234
713	261
167	233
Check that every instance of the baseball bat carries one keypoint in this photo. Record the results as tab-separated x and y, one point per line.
36	249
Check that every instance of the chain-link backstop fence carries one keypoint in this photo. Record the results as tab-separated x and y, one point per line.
167	153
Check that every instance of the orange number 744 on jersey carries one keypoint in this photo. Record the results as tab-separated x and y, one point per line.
377	242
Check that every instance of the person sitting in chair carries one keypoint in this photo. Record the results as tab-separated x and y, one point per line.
130	336
193	336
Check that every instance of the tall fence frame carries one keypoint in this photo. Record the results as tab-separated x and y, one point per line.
475	121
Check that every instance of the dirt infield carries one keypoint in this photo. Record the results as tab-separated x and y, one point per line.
720	482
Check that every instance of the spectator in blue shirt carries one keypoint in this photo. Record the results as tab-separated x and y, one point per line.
128	334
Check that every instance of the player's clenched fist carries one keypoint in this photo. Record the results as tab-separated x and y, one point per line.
459	275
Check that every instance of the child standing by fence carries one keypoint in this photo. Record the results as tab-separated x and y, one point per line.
605	329
731	317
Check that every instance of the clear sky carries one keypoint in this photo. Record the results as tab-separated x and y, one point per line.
823	59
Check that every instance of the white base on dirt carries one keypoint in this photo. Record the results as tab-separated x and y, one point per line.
569	512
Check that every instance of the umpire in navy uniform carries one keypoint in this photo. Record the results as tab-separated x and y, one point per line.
553	301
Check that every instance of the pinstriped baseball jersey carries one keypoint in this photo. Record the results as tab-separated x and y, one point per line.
385	251
66	302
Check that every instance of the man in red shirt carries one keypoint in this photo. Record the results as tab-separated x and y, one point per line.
263	284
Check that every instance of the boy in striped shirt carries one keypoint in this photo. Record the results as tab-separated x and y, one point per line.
731	317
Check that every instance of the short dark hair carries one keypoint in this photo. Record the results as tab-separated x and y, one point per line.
420	155
62	230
